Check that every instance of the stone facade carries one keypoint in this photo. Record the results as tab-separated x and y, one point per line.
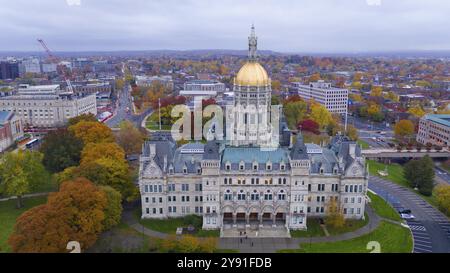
47	105
254	178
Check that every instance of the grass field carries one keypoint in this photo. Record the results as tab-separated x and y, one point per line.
9	214
350	225
382	208
395	172
315	230
391	237
364	144
152	123
170	226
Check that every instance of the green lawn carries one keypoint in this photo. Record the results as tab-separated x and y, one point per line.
315	230
152	123
350	225
395	172
364	144
9	214
382	208
170	225
392	238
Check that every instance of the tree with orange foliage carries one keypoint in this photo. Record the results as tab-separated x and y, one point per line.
75	213
92	132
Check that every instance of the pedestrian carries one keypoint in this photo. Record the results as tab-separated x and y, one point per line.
252	244
240	240
246	237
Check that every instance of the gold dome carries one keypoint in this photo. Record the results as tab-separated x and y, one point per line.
252	74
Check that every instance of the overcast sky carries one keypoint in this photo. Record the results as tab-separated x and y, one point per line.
281	25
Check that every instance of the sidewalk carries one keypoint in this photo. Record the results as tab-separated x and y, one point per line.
267	245
25	196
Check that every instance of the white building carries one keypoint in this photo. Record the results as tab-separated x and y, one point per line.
334	99
32	65
147	81
202	88
47	105
240	184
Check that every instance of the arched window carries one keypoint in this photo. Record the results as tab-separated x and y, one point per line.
268	195
254	196
281	195
241	195
228	196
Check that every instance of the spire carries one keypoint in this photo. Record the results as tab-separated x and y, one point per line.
252	45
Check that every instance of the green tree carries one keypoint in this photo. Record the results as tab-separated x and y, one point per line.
113	209
61	149
295	112
21	173
420	174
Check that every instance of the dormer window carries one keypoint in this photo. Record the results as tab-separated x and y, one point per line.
255	166
170	170
321	170
282	167
228	166
269	166
185	170
199	170
335	170
241	166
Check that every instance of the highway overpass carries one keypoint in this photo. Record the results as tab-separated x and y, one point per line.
413	153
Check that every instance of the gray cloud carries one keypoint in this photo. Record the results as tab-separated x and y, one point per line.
282	25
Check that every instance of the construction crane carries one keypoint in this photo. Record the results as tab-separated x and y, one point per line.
55	59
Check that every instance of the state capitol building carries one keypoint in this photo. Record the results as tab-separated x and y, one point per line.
237	184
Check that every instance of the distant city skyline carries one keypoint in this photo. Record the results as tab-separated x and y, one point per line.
347	26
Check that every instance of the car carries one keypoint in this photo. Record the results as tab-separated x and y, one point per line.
404	211
407	216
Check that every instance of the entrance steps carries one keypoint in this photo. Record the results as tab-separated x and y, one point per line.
228	231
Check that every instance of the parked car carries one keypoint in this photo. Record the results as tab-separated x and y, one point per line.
407	216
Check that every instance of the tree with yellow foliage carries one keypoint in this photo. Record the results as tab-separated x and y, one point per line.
188	244
442	193
321	115
404	128
376	91
314	77
92	132
334	216
417	111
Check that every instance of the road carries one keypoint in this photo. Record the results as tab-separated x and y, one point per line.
430	228
442	174
124	110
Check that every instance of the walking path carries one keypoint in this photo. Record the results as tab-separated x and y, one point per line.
267	245
25	196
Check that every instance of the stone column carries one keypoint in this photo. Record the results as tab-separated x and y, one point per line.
274	219
234	219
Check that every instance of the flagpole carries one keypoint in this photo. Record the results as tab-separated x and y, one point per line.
159	111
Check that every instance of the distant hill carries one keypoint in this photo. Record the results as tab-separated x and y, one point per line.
227	52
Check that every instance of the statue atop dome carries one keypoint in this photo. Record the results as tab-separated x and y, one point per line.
252	45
